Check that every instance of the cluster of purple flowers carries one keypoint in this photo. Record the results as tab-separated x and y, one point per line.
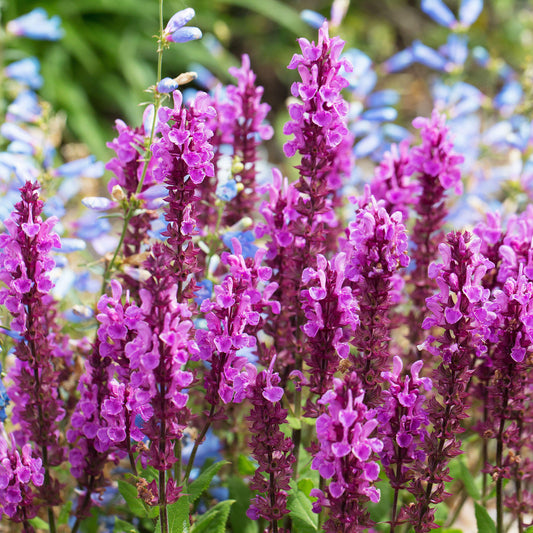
311	322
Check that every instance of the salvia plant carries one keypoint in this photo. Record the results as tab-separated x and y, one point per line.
214	346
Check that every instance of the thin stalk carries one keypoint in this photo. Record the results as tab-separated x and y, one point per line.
197	443
321	515
163	518
297	433
147	157
177	465
499	458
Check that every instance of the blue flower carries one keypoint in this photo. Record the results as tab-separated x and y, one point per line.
36	25
167	85
209	449
314	19
25	71
87	167
246	238
204	291
4	398
227	191
24	108
176	31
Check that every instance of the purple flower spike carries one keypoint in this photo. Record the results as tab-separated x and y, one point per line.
36	25
271	449
332	317
25	265
346	456
20	473
463	328
376	250
437	169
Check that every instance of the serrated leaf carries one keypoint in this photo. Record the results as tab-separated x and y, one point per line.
121	526
195	489
301	512
215	519
177	516
485	524
459	470
39	523
129	493
64	513
241	493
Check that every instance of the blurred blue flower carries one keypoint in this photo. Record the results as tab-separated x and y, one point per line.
227	191
439	12
36	25
469	11
380	114
209	449
98	203
25	71
386	97
455	49
167	85
428	56
185	34
314	19
87	167
69	245
204	291
509	97
24	108
4	398
246	238
399	61
90	227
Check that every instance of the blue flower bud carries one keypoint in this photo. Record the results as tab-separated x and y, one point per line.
429	57
380	114
179	19
399	61
167	85
185	34
470	11
25	71
314	19
227	191
36	25
439	12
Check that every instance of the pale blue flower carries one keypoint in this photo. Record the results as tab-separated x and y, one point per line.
36	25
25	71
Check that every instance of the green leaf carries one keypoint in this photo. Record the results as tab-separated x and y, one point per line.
177	516
485	524
39	523
64	513
275	10
306	485
195	489
129	493
122	526
459	470
239	491
246	465
215	519
451	530
301	512
294	423
529	530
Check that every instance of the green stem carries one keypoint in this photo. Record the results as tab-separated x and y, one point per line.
197	443
147	157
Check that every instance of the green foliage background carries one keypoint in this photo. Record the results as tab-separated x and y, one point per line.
98	72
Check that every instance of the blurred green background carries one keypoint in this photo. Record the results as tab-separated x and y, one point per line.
99	71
